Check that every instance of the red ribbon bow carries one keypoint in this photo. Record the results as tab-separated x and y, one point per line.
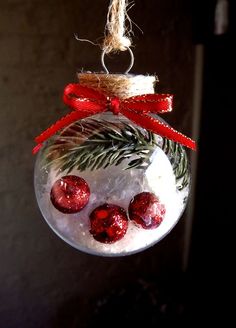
87	102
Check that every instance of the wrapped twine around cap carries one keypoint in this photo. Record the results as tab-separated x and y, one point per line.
117	36
119	85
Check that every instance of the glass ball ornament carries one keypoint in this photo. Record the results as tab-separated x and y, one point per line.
131	185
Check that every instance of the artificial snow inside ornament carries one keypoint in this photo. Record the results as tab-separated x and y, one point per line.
126	171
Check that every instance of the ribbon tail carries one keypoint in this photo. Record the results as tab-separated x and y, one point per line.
158	127
53	129
37	148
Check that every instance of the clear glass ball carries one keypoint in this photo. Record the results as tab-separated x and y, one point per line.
121	165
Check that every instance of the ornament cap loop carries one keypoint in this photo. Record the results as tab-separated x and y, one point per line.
129	67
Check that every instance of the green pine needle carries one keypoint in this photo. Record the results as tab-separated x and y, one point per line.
94	144
98	144
179	161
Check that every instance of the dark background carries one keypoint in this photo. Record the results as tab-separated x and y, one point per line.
187	277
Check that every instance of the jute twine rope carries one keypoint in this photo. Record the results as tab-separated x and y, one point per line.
120	85
117	35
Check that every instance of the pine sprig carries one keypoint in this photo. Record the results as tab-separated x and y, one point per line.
179	161
94	144
98	144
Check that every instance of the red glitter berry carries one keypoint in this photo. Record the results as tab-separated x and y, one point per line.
109	223
146	210
70	194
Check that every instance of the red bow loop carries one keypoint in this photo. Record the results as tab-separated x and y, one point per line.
151	103
81	92
86	102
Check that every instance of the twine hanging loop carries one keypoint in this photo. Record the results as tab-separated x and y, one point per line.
117	34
